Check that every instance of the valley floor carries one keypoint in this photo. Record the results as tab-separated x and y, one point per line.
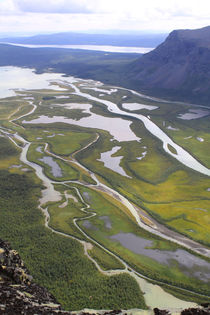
107	193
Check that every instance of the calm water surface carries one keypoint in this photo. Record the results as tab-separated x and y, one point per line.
113	162
105	48
188	263
55	168
22	78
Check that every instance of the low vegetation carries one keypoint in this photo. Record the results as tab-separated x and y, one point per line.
156	183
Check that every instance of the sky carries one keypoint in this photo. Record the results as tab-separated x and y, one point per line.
50	16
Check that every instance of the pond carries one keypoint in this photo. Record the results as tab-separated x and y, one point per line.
113	162
55	168
194	113
138	106
107	221
188	263
117	127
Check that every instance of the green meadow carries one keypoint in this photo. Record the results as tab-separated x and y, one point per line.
168	191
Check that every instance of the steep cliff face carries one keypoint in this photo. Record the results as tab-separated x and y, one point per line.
179	67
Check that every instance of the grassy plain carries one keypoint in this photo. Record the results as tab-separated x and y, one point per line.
156	178
67	171
52	259
158	184
121	223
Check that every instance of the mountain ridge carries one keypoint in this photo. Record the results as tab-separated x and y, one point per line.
71	38
179	67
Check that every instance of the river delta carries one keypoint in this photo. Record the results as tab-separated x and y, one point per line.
131	207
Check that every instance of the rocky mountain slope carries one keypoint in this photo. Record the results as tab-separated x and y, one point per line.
18	294
178	68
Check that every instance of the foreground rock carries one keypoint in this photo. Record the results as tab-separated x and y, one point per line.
19	295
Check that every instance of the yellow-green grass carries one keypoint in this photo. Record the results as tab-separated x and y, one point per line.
172	181
178	185
61	219
70	142
56	262
172	149
22	110
191	217
200	149
181	184
153	167
9	158
8	107
105	260
121	223
187	133
64	142
8	162
120	218
68	172
177	189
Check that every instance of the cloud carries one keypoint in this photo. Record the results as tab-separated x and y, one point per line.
8	7
52	6
88	15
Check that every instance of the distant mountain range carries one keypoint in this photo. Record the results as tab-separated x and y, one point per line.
126	40
179	68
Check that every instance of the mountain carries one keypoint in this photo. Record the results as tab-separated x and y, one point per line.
179	68
127	40
87	64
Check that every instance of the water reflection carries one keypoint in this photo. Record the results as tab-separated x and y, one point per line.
107	221
138	106
113	162
188	263
117	127
23	78
55	168
194	113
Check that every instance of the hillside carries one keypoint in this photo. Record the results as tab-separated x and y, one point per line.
178	68
20	295
107	67
70	38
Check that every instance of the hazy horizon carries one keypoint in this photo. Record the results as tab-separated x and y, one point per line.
26	17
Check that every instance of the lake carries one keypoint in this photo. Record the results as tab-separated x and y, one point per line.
117	49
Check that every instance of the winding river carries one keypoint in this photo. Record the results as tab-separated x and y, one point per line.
154	295
164	299
182	155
